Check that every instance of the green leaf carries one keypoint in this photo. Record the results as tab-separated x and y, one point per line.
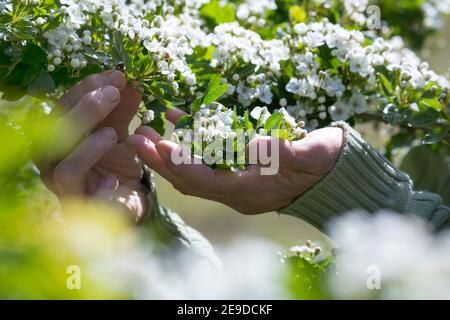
273	122
216	13
162	91
118	49
428	94
431	103
215	90
247	123
437	135
283	134
196	105
159	124
386	85
244	72
173	101
42	84
183	122
33	54
426	118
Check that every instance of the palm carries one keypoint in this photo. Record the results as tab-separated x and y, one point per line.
120	162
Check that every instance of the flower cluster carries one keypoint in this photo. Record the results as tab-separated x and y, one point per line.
307	251
253	12
312	66
218	135
349	93
168	38
237	48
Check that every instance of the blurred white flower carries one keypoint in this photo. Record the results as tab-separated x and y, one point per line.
250	270
339	111
413	263
358	102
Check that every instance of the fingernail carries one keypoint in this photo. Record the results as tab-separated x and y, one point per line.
110	133
110	93
117	79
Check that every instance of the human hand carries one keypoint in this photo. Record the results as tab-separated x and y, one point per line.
303	163
94	160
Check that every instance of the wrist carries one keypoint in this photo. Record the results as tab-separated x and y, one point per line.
361	179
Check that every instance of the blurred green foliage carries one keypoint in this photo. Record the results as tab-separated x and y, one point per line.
36	247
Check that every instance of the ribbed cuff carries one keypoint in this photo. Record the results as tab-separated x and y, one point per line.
361	179
170	231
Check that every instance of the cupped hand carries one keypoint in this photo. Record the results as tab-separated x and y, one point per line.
94	160
302	164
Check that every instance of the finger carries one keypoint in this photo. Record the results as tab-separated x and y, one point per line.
88	113
68	130
145	148
106	188
174	114
125	111
195	178
69	175
149	133
107	78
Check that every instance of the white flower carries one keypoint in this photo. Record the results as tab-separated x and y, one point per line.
314	39
301	28
301	249
301	87
264	93
358	102
191	80
40	21
333	87
339	111
289	119
260	113
148	116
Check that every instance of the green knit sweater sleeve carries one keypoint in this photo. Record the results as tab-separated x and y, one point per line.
364	179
